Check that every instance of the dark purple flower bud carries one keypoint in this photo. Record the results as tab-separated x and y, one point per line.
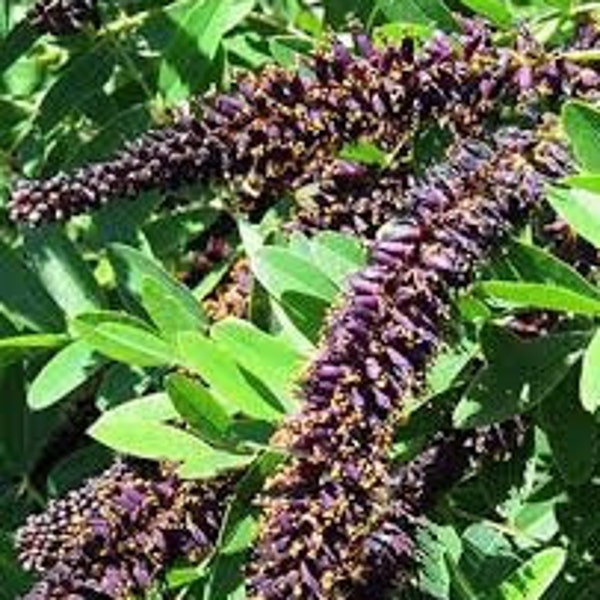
364	45
64	17
524	78
265	136
116	535
479	195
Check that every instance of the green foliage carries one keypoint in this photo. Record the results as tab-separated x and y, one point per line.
65	372
497	11
581	209
108	314
582	123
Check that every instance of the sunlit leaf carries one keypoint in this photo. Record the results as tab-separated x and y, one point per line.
590	376
66	371
580	209
539	295
531	580
129	344
582	123
272	360
497	11
234	387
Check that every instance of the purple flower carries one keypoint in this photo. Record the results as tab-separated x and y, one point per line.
276	129
344	437
63	17
116	535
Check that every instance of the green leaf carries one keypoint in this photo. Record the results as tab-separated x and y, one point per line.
517	376
496	11
537	520
227	381
272	360
535	265
438	545
589	387
140	428
23	432
120	383
419	11
582	124
287	50
281	271
584	181
77	466
153	407
169	234
242	535
111	135
17	347
247	48
448	365
63	272
129	344
242	504
531	580
166	308
14	582
339	13
121	222
132	268
488	556
580	209
199	31
85	322
540	295
16	44
84	76
199	408
66	371
23	298
343	255
365	153
211	463
130	431
571	431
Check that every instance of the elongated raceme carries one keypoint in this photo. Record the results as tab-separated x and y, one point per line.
115	536
63	17
390	552
334	494
277	126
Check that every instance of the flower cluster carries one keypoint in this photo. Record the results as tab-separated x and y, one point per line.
63	17
351	198
114	536
276	127
391	551
80	546
326	503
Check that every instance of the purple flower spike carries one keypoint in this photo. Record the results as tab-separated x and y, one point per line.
277	129
402	297
115	536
